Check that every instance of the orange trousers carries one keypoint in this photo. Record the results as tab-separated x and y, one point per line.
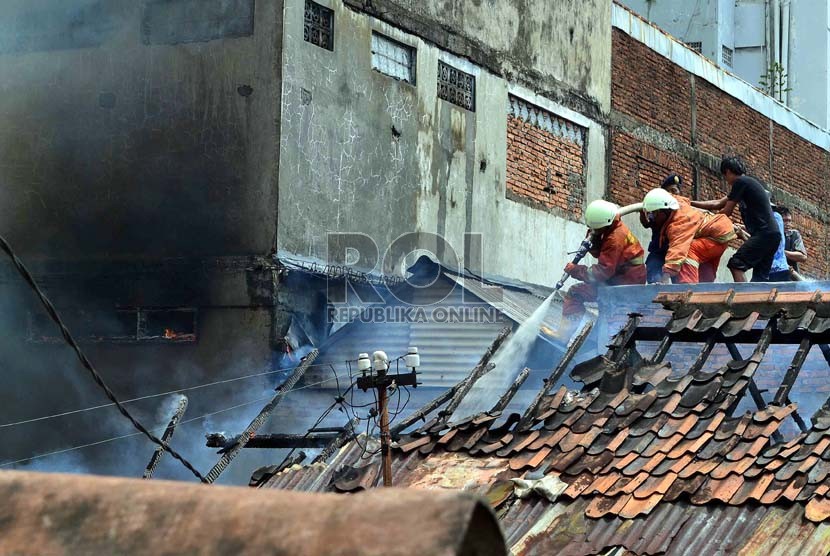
705	257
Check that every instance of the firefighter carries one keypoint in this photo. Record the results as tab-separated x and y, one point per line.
656	253
619	259
695	240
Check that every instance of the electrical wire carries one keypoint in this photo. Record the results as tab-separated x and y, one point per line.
204	416
123	436
160	394
87	364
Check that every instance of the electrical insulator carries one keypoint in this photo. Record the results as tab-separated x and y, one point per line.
363	363
412	359
381	362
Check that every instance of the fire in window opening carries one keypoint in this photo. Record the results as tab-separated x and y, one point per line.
118	326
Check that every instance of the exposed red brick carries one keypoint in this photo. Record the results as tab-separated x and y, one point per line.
651	90
544	168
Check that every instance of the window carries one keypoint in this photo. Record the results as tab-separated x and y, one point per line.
141	325
456	87
392	58
726	56
318	25
696	46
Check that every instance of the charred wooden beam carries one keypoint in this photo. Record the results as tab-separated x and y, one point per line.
477	372
753	336
442	415
271	441
570	352
504	401
754	391
260	419
825	351
622	340
441	399
783	395
799	420
701	358
181	407
347	433
662	349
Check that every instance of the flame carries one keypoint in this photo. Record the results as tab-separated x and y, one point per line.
169	334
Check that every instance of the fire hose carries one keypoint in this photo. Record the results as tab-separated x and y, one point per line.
588	242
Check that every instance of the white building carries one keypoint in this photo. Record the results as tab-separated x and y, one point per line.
751	37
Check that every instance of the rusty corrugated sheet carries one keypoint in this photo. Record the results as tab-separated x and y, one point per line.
45	514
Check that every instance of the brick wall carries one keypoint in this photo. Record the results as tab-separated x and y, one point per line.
666	120
545	160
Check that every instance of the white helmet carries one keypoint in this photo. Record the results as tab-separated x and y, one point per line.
600	214
658	199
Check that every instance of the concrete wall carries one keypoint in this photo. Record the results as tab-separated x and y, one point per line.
128	133
809	59
361	152
688	21
750	40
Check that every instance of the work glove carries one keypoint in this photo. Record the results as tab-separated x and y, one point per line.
578	271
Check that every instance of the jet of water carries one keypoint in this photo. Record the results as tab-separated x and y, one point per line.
509	361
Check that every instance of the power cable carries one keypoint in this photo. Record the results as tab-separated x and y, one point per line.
160	394
67	336
123	436
204	416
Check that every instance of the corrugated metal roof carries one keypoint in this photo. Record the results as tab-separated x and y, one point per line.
448	350
516	303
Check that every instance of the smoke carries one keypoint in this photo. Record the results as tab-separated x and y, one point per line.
113	150
509	361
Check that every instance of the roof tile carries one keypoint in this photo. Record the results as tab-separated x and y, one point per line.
621	452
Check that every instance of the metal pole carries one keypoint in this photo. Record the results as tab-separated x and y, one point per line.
385	437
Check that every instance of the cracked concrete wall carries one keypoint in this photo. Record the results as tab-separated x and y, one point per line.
362	152
561	48
128	134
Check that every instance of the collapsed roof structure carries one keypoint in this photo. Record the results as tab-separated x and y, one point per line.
643	459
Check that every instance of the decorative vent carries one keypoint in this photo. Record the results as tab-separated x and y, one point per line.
546	121
456	87
726	56
392	58
696	46
319	25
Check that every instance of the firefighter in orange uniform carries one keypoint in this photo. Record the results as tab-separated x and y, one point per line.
620	259
696	240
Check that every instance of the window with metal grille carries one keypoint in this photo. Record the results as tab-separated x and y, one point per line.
456	86
319	25
726	55
696	46
393	58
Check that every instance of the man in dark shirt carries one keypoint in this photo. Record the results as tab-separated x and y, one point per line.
758	251
794	247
